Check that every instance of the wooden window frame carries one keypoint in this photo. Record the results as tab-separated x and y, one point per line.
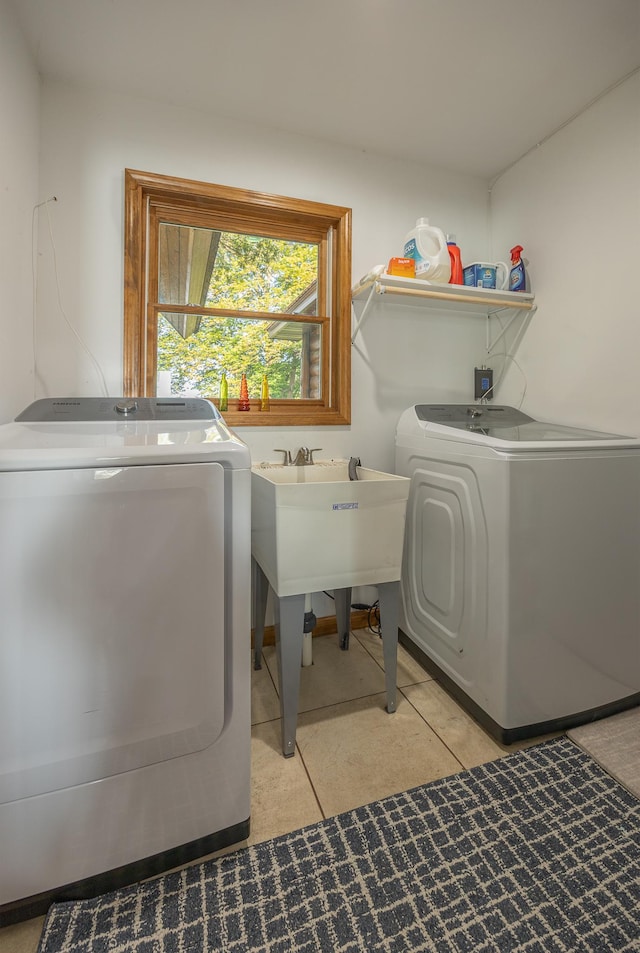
147	194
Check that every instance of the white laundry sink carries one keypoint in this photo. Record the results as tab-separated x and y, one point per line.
312	528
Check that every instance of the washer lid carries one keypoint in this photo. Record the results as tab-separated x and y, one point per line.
500	425
59	433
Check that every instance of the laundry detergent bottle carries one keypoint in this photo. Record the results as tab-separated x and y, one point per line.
457	277
427	245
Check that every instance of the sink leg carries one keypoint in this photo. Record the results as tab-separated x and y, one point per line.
388	593
289	614
342	598
260	593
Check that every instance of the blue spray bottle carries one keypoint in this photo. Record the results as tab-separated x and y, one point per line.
517	275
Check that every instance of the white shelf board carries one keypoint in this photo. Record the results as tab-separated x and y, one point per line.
427	294
482	300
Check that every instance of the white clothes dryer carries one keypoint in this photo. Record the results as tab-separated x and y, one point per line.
521	570
125	644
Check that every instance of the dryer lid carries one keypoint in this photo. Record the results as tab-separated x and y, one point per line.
57	433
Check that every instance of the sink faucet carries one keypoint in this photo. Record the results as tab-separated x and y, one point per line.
287	456
303	458
307	461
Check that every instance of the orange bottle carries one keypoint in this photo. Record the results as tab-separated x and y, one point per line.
243	402
457	277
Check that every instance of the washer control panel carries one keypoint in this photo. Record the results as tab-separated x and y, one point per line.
460	415
506	424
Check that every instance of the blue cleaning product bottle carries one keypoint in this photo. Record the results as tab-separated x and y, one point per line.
517	275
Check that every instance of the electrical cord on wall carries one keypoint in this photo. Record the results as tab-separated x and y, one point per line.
96	366
507	357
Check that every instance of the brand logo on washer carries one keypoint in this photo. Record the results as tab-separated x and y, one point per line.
344	506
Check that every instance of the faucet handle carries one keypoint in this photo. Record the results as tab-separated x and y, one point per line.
311	453
287	456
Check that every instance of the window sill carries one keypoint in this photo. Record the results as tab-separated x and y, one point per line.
282	418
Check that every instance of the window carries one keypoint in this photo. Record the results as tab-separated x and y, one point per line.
226	281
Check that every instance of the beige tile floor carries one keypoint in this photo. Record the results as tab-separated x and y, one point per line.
349	750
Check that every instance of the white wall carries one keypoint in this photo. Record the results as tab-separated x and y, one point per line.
574	204
89	137
19	122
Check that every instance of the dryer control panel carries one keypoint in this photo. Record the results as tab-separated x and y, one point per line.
85	409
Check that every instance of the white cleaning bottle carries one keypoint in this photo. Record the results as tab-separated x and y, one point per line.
428	246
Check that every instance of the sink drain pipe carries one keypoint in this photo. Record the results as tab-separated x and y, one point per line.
307	631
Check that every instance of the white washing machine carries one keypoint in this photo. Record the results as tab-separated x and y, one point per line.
521	569
125	644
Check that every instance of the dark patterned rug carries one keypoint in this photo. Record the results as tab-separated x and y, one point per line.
536	852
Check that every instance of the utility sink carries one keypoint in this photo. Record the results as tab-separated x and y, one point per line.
312	528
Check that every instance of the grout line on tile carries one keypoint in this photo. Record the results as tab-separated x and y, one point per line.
313	787
428	678
330	704
266	665
431	728
365	647
267	721
345	701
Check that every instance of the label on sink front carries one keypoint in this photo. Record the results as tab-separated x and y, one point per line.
344	506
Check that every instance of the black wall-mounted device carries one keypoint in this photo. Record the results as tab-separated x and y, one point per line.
483	383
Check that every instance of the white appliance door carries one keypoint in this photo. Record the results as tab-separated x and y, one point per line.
112	648
445	566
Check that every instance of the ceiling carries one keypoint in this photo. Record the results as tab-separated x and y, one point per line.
466	84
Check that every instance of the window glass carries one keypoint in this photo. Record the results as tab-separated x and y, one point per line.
220	281
201	266
195	350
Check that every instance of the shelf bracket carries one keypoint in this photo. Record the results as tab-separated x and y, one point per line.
360	321
482	301
491	344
